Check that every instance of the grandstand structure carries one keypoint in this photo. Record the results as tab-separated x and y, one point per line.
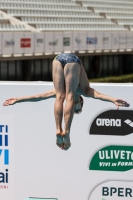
85	19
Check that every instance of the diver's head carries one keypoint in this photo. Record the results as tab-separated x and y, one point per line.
78	106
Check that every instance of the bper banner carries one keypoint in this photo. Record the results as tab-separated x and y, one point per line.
99	163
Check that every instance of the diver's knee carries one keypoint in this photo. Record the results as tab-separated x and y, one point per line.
60	97
70	97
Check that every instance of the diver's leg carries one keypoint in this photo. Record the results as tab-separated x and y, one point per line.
58	79
84	84
71	74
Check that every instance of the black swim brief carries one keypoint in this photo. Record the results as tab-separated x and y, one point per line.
65	58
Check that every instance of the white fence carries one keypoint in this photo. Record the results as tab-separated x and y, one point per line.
52	42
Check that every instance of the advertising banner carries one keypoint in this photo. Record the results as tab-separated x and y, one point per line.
39	42
91	41
99	45
115	41
82	38
122	40
67	41
58	37
27	43
7	175
113	190
129	40
107	41
17	47
75	41
49	42
99	163
8	43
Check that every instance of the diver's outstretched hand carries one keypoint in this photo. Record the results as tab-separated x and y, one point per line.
10	101
120	102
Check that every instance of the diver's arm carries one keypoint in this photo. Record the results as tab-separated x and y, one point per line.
90	92
33	98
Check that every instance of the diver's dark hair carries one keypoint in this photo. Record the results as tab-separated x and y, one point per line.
82	102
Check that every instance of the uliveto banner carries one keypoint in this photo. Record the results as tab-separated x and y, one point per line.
99	163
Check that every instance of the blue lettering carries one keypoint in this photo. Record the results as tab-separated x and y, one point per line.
1	127
0	140
6	140
6	129
6	157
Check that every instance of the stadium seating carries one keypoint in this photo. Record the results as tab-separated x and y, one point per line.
68	15
120	11
125	21
11	27
109	1
118	16
71	27
102	4
50	20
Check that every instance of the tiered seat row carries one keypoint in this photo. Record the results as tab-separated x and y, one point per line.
120	11
103	4
118	16
11	27
39	7
42	2
72	27
113	10
109	1
125	21
56	13
39	20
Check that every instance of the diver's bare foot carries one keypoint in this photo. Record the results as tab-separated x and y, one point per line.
66	140
59	139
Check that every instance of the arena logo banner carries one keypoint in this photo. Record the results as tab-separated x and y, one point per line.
6	157
113	190
113	158
113	122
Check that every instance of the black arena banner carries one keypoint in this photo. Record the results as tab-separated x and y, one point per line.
113	122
